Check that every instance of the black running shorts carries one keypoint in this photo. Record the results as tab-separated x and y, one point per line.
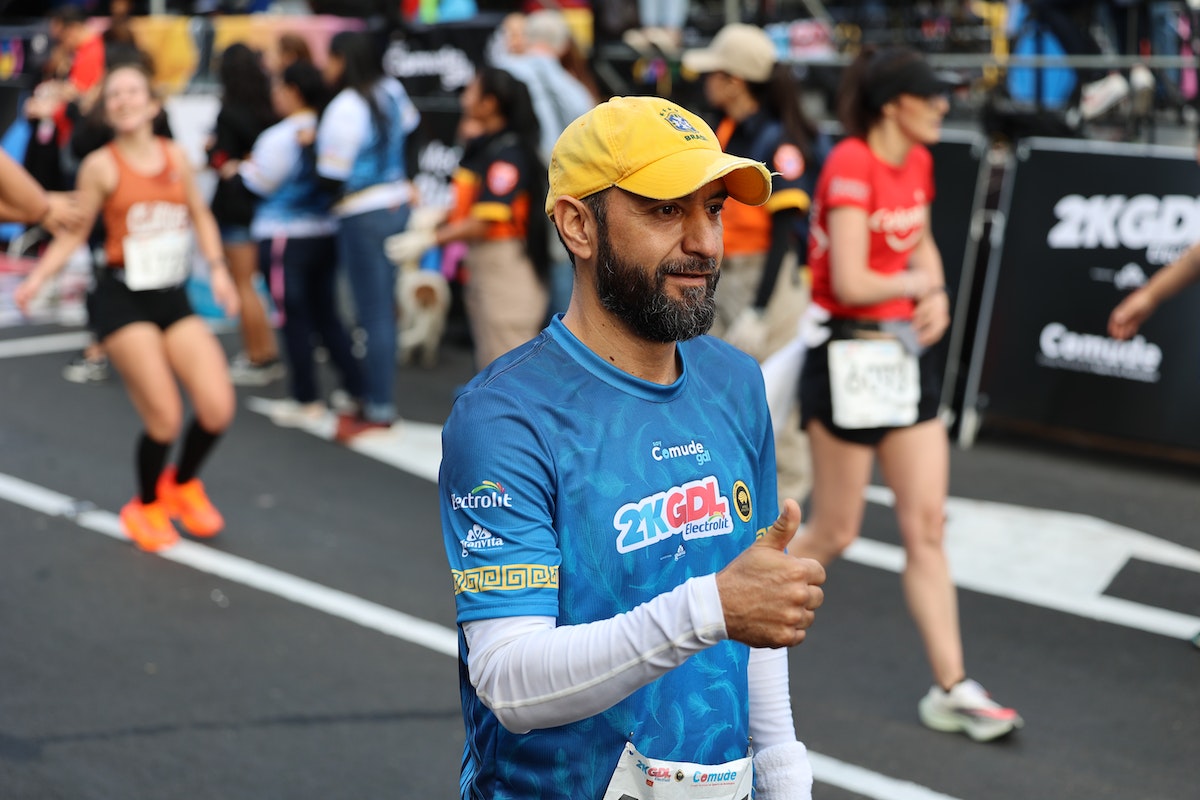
111	305
815	402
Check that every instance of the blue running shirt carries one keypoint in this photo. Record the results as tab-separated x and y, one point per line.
571	489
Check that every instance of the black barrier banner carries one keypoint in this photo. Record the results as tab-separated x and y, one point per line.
1086	222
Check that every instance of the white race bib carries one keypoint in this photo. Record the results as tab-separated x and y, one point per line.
874	383
641	778
158	260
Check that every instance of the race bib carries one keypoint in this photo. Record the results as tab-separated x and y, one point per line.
158	260
641	778
874	383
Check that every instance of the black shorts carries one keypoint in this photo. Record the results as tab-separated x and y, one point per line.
111	305
815	402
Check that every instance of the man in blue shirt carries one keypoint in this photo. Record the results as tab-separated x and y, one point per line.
609	504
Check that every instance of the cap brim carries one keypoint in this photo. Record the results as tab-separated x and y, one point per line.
702	61
682	173
931	85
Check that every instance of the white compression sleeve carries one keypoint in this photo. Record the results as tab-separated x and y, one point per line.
770	698
532	674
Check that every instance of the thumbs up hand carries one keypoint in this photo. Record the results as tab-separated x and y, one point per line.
769	597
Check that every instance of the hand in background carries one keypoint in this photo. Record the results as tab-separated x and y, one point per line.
1129	314
224	292
64	214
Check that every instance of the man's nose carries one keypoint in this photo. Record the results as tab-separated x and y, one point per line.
702	235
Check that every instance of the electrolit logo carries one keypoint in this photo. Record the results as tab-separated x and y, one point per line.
695	510
488	494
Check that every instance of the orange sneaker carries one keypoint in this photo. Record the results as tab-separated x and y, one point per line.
188	503
149	525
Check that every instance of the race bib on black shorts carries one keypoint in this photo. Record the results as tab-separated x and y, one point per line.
873	383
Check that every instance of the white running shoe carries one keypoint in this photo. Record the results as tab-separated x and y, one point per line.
244	372
82	369
290	414
969	709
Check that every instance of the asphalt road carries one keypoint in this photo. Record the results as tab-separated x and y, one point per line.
305	652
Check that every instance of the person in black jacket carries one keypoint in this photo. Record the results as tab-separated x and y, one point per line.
246	111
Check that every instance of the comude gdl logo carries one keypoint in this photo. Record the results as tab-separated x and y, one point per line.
488	494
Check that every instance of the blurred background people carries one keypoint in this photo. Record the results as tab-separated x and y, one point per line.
245	112
366	152
75	65
296	232
139	309
558	99
879	288
499	185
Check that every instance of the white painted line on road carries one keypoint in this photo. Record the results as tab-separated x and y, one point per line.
432	636
39	345
435	637
866	783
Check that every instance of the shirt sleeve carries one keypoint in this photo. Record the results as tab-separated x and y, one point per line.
271	161
506	177
410	117
849	177
497	498
789	170
534	675
340	135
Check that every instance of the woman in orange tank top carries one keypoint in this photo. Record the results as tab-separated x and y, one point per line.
139	309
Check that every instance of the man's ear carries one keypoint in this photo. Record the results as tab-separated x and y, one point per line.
576	226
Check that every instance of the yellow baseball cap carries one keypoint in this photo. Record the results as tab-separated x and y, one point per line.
650	147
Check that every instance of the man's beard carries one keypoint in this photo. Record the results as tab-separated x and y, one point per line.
640	300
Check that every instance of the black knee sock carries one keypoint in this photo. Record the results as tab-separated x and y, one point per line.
197	443
151	456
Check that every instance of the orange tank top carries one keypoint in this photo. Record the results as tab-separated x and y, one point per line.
143	205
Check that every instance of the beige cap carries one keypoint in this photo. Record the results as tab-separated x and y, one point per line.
744	51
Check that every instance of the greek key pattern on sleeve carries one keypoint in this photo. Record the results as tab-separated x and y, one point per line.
506	578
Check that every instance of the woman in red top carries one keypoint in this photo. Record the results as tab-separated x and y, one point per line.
139	308
870	388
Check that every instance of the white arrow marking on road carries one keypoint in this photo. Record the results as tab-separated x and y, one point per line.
1053	559
415	447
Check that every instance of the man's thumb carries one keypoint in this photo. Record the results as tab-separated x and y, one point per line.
780	534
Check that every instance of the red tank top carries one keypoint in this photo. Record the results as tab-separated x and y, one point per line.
143	204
